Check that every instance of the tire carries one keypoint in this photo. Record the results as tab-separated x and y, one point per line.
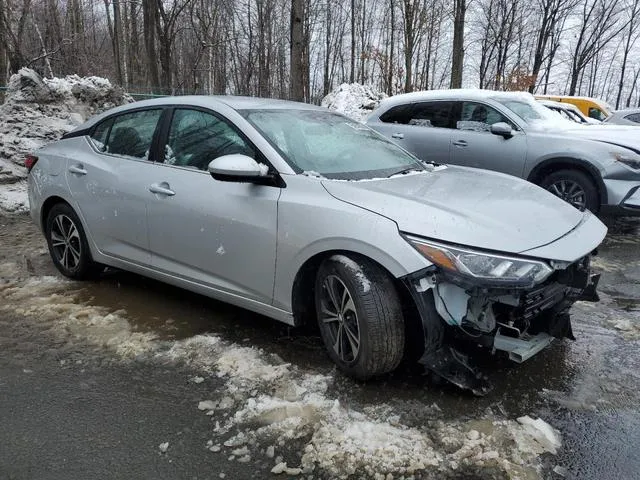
374	316
576	185
68	245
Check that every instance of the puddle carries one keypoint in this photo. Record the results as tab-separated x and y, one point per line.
627	304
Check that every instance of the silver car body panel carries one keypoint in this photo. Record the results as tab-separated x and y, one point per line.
559	140
483	217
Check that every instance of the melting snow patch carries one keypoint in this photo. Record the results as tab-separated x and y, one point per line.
356	269
547	437
276	402
13	197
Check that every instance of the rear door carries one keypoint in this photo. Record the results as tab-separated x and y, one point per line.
109	183
423	128
218	234
473	144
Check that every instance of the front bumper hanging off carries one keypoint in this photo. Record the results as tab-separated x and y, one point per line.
458	315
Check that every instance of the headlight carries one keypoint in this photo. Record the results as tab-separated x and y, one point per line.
630	159
484	266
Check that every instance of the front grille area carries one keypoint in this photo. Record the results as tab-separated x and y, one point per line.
541	298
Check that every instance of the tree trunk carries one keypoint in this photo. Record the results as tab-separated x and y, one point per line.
460	10
150	21
296	51
352	75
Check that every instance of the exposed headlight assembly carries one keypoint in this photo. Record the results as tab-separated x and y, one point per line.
630	159
489	267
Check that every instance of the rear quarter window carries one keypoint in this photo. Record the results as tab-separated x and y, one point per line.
397	114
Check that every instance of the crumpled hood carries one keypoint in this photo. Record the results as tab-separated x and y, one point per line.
624	136
466	206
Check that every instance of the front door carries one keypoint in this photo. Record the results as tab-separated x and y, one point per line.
217	234
473	144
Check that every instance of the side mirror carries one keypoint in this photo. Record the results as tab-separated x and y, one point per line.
503	129
238	168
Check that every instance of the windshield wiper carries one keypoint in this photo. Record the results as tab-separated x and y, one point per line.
407	170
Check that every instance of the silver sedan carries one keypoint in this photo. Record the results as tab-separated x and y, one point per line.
301	214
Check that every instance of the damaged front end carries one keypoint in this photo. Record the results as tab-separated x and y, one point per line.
515	305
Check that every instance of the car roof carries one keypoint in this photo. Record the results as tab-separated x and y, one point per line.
235	102
215	102
453	94
625	112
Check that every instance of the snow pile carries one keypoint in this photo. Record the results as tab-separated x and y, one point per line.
353	100
37	111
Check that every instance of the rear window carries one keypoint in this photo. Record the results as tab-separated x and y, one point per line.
129	134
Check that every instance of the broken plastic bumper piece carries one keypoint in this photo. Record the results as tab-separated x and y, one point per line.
523	348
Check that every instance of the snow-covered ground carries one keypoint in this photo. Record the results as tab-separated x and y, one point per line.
354	100
37	111
270	405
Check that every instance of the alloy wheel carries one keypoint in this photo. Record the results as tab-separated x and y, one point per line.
65	242
338	313
569	191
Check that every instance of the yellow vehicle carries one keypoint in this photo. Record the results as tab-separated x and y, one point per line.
591	107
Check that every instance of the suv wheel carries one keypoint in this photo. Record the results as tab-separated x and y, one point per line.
359	315
573	187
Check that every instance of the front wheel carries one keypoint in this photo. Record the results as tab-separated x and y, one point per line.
68	244
573	187
359	315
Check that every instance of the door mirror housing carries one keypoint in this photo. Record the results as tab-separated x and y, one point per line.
239	168
503	129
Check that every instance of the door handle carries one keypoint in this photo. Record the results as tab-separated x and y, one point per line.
161	189
399	136
78	170
460	143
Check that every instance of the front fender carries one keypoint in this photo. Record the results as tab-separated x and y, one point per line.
334	226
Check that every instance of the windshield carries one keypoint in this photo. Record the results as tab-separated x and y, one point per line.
532	111
333	146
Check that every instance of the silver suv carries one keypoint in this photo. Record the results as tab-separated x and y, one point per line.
595	168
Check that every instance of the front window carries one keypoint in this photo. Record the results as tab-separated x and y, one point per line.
196	138
330	145
479	117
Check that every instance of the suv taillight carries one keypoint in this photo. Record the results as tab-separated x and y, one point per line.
30	161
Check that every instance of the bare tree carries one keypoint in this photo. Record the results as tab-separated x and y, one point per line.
630	39
599	24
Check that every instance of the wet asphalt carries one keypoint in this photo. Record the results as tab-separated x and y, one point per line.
69	411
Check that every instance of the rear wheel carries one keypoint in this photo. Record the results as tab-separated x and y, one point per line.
359	315
574	187
68	243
